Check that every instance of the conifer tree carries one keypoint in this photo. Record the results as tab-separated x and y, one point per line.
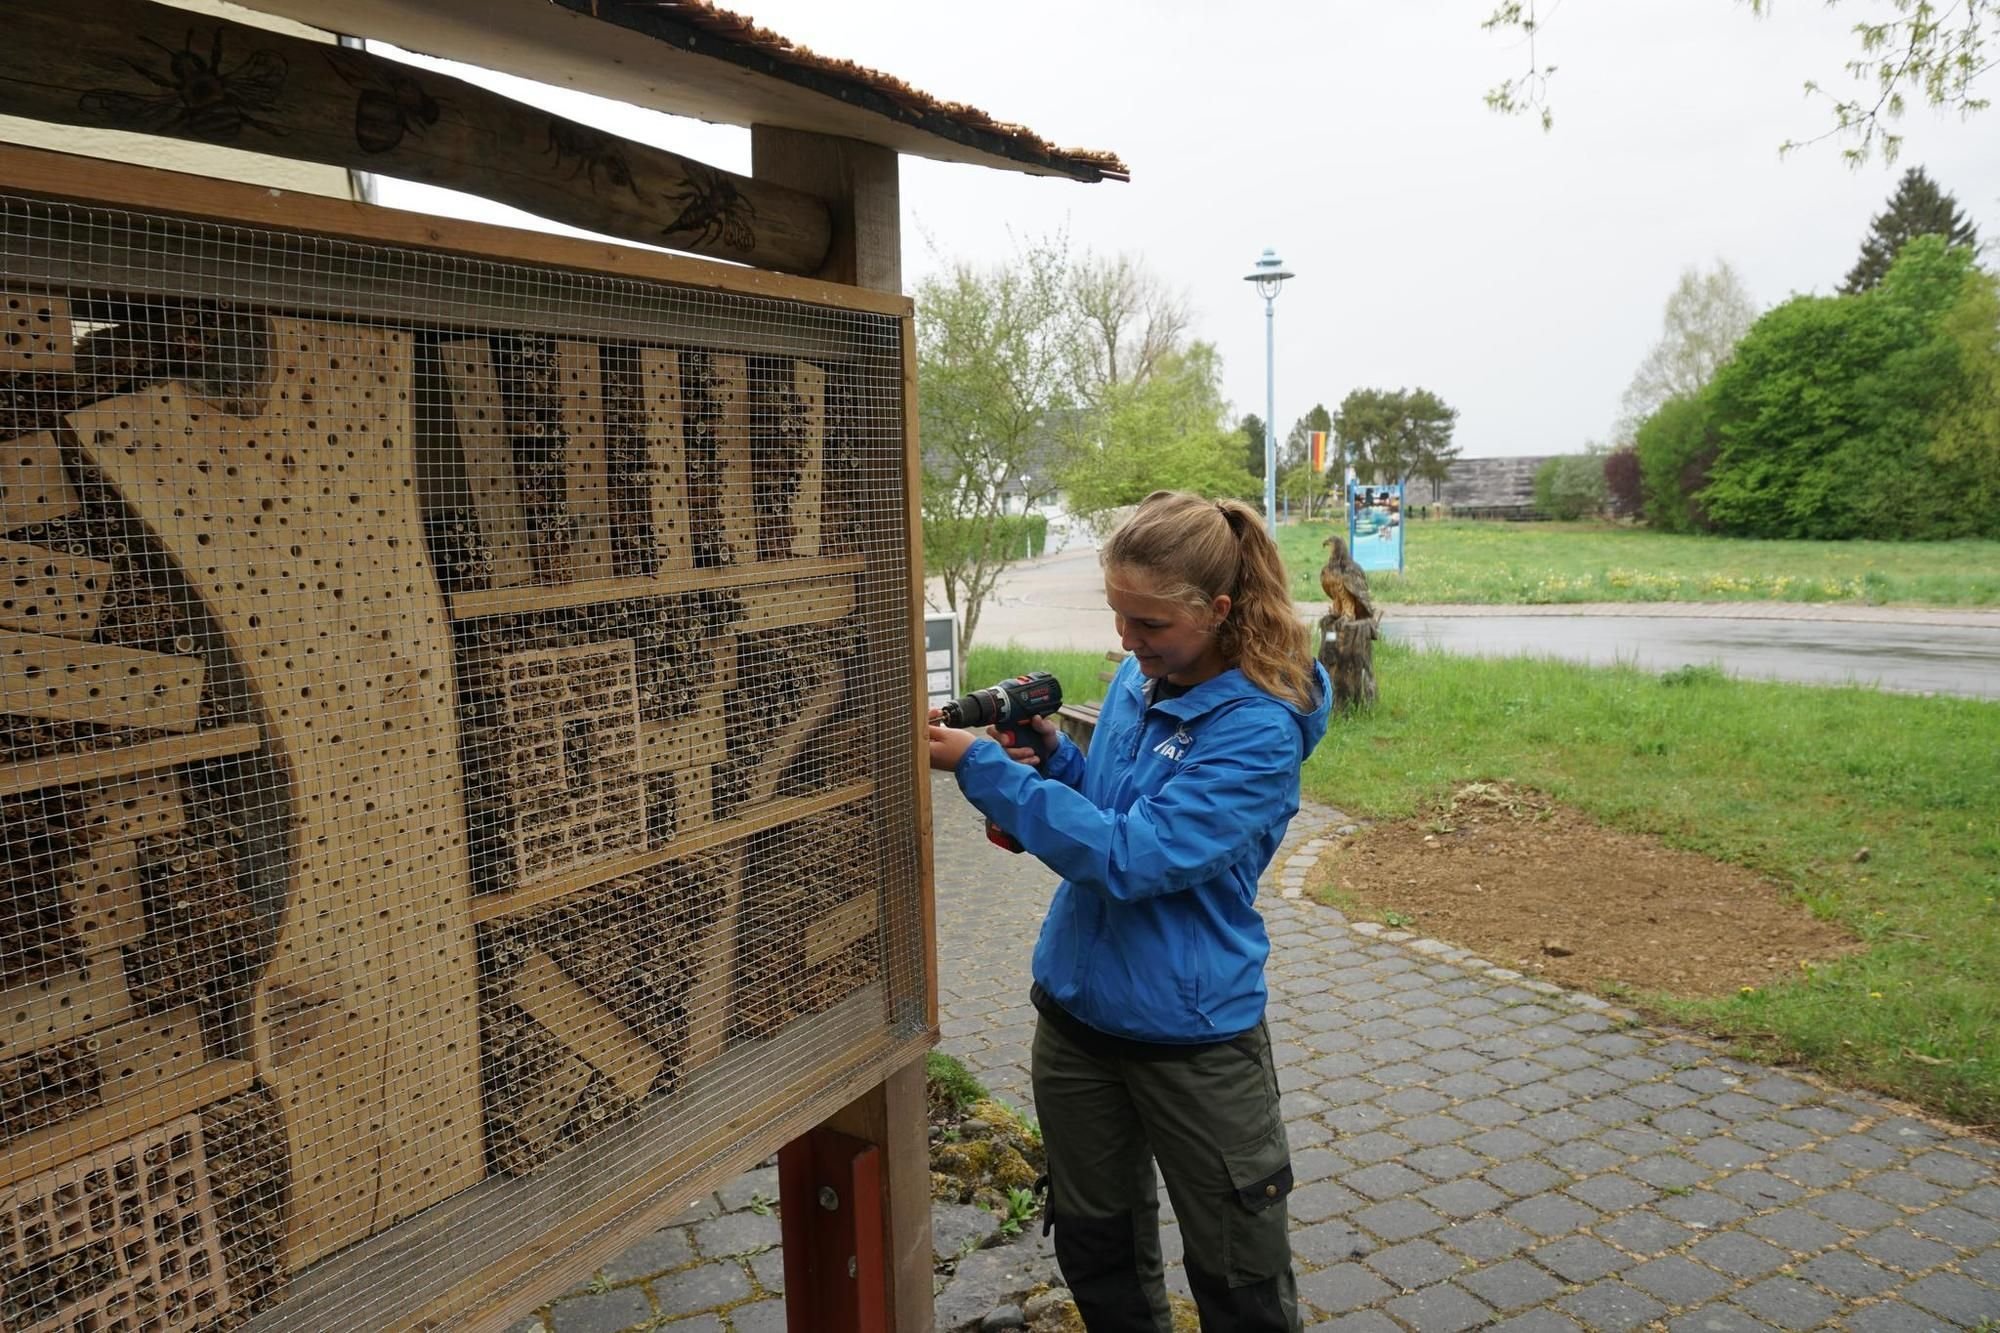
1918	208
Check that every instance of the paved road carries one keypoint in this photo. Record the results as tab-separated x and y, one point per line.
1473	1149
1058	602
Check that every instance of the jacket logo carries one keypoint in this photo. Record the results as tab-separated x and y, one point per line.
1176	746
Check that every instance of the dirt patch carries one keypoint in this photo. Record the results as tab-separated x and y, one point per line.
1537	886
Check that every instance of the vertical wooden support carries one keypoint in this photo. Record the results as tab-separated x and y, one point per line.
832	1230
859	183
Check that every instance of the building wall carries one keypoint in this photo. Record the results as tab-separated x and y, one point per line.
1484	482
179	155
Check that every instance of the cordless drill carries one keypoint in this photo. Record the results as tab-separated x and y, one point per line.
1036	694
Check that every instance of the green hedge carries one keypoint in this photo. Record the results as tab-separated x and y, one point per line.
1015	536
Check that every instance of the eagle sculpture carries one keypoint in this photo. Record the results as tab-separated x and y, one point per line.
1345	584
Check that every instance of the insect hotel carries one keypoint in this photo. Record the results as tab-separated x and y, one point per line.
454	805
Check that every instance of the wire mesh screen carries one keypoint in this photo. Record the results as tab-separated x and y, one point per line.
445	800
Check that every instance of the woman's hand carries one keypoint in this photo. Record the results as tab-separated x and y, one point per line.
1038	744
948	746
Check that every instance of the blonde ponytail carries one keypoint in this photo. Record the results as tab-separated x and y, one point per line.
1206	549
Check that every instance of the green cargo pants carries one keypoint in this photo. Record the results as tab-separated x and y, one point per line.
1210	1118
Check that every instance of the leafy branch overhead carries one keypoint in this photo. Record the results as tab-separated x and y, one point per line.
1920	51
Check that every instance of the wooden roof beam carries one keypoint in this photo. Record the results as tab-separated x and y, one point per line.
132	65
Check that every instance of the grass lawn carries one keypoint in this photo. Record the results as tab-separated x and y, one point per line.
1787	780
1515	563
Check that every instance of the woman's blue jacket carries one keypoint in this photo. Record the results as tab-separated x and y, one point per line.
1160	837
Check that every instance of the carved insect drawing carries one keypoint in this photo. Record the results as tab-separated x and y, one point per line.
199	97
389	106
713	210
586	153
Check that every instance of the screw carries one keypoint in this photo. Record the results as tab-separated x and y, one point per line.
828	1199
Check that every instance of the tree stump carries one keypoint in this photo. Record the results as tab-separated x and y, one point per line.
1347	651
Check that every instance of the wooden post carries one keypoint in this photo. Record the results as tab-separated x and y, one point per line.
1348	653
858	181
835	1280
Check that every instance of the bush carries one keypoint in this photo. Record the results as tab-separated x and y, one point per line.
1622	484
1013	536
1825	416
1570	487
1675	448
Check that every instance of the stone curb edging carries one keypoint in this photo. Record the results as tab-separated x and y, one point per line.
1291	874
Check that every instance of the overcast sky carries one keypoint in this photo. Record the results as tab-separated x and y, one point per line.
1518	274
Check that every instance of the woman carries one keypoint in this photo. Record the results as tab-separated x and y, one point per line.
1149	974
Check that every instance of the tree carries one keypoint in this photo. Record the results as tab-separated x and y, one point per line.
1251	428
1127	322
1918	208
1296	477
1704	317
1908	48
1391	435
1824	418
1676	448
1571	486
1965	435
995	354
1623	484
1170	430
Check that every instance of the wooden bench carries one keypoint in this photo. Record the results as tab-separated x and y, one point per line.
1078	721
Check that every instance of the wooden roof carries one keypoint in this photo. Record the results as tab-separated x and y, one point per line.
691	58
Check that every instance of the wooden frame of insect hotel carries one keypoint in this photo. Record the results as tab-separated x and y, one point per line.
453	806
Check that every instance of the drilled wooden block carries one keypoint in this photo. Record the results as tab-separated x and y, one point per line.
660	384
573	762
587	463
729	391
41	1013
548	1107
701	738
587	1027
138	808
43	676
102	892
301	533
33	485
125	1238
48	592
35	333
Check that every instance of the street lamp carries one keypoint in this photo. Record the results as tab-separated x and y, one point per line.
1269	275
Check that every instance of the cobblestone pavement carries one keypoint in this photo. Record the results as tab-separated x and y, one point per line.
1473	1149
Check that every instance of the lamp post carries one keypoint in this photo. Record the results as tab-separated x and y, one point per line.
1269	275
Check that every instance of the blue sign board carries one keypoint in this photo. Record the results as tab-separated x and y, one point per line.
1375	525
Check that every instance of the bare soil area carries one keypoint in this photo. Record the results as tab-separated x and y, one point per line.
1536	886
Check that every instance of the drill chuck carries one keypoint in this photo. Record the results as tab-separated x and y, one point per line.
1036	694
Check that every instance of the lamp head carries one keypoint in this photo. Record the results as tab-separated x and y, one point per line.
1269	274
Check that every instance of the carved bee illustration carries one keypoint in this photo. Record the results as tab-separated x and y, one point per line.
199	96
587	153
390	105
713	210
